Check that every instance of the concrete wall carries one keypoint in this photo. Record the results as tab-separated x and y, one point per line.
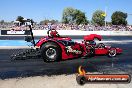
80	33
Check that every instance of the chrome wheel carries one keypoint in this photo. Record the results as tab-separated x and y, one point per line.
112	52
51	53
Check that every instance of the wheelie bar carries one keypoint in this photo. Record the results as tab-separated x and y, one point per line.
28	54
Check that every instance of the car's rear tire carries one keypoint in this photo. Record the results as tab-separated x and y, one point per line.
112	52
50	52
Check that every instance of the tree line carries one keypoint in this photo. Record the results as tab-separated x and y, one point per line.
75	16
71	15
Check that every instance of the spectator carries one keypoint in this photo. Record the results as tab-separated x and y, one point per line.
61	26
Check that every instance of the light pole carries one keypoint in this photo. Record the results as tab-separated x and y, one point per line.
129	14
106	7
105	16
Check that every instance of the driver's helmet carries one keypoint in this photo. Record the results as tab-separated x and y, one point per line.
92	42
54	33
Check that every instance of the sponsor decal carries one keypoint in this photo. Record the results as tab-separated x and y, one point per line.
15	32
70	50
83	78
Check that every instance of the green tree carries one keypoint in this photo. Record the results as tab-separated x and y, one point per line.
119	18
44	22
109	23
68	15
71	15
49	21
80	17
98	17
2	22
53	21
20	19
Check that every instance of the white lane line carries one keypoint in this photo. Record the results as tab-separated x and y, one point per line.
14	47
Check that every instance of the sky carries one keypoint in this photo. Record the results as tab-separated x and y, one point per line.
39	10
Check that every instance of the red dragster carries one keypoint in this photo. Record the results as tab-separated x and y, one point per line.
55	48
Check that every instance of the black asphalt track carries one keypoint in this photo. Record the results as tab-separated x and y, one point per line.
35	66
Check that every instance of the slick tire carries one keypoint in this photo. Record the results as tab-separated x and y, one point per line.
81	80
50	52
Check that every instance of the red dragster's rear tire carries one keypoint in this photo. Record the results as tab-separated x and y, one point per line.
50	52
